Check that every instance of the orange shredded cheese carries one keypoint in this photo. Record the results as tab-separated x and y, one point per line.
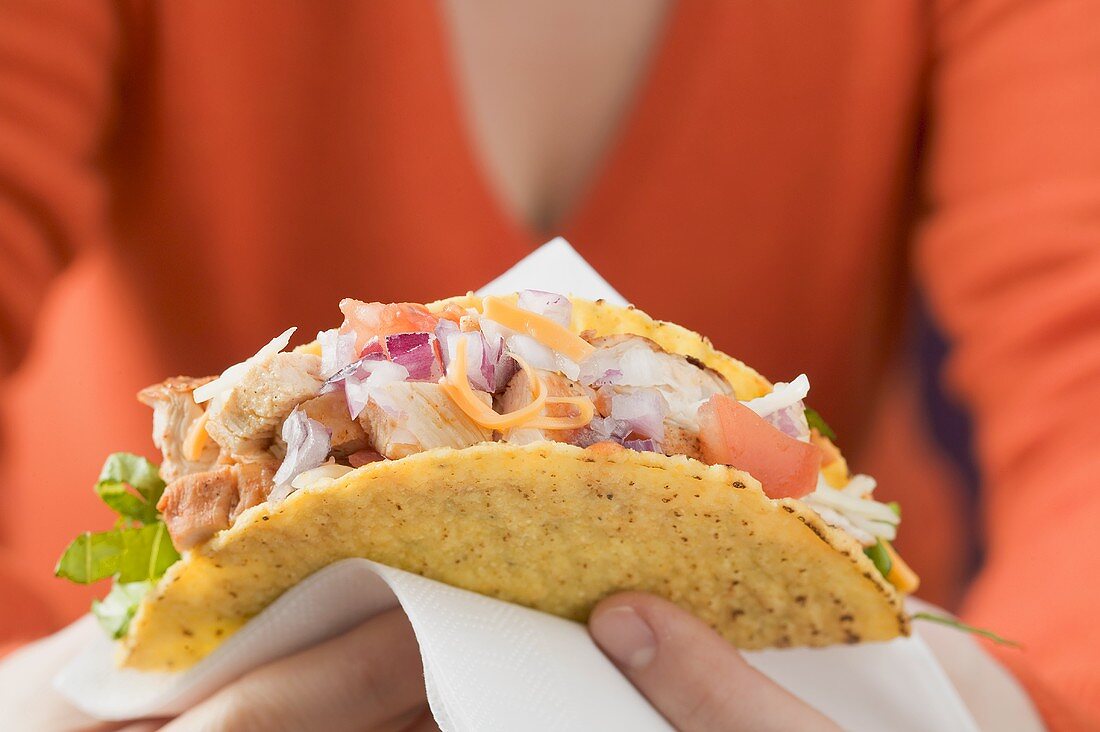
197	436
900	575
542	329
457	386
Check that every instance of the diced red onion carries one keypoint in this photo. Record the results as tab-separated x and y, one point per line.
791	421
307	446
488	354
496	349
417	353
549	305
643	411
365	383
337	350
642	445
504	367
488	366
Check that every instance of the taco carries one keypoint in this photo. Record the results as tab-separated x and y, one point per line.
536	448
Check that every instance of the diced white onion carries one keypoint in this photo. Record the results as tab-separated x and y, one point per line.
307	445
365	383
337	351
534	353
549	305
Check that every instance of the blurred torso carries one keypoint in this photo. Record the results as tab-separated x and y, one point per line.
740	168
543	86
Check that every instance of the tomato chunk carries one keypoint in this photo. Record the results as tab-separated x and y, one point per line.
370	319
732	434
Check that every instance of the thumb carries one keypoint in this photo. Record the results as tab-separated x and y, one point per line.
689	673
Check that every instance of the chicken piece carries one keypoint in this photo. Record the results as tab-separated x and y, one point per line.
174	415
684	382
197	506
364	457
518	395
681	441
408	417
331	410
245	420
255	481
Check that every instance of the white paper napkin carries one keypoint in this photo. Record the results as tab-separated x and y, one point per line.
491	665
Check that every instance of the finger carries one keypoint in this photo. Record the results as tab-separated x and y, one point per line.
366	678
45	657
27	695
689	673
145	725
423	722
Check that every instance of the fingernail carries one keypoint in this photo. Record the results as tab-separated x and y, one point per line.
624	636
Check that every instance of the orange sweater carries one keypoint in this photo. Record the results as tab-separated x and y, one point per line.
180	181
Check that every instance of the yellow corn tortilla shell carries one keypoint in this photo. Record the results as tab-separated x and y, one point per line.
550	526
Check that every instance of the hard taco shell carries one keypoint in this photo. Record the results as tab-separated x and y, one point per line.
550	526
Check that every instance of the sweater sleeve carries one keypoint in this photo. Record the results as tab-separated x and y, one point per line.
56	90
1010	257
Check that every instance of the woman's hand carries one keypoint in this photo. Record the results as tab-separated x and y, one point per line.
689	673
369	678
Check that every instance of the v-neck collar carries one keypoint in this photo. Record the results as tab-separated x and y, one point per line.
628	139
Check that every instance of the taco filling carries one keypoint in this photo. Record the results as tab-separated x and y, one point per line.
399	379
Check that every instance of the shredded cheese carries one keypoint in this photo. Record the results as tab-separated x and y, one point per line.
457	385
542	329
196	438
900	575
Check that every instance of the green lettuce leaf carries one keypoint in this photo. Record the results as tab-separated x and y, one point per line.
816	422
133	554
959	625
115	611
880	557
131	486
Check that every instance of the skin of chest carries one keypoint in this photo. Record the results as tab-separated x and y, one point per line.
544	86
